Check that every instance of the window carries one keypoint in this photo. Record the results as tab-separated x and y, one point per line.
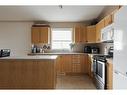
61	38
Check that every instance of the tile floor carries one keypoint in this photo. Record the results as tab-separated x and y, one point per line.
75	82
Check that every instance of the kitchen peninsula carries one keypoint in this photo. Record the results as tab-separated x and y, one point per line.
28	72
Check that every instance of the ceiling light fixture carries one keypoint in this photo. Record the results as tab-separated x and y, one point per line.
60	6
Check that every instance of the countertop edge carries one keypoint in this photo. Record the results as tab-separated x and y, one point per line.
54	53
44	57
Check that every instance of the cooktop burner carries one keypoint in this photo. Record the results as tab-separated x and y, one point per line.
102	56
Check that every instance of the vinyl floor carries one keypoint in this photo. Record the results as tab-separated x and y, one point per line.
75	82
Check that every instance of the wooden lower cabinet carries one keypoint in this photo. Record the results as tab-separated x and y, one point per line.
58	65
109	77
27	74
71	64
89	65
64	64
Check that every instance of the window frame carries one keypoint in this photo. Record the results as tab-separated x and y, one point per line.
61	28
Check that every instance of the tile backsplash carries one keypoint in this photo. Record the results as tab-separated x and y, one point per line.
44	47
77	47
104	46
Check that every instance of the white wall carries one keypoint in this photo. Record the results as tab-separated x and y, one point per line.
16	36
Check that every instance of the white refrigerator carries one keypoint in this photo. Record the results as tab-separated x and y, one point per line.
120	49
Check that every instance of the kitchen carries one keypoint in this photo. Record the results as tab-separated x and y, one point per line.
40	51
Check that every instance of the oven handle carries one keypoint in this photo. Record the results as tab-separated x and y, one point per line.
100	62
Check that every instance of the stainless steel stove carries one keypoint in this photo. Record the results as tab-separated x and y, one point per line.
99	70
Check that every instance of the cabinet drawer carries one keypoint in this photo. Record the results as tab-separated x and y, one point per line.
76	68
76	59
75	62
75	56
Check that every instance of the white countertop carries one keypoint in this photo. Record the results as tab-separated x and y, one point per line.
42	57
54	53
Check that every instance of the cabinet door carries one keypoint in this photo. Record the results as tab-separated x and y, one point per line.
89	66
4	74
107	20
64	64
67	65
44	31
58	65
40	35
83	34
99	26
91	34
62	61
35	35
79	34
109	75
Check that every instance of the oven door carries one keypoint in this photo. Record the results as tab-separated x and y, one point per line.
100	71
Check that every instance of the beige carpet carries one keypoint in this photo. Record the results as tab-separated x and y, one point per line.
75	82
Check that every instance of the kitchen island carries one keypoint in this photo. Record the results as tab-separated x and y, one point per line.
28	72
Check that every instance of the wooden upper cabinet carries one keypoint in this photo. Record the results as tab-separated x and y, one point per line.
40	35
79	34
99	26
35	35
108	20
44	33
91	34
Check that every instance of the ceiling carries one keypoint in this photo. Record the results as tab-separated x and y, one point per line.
50	13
